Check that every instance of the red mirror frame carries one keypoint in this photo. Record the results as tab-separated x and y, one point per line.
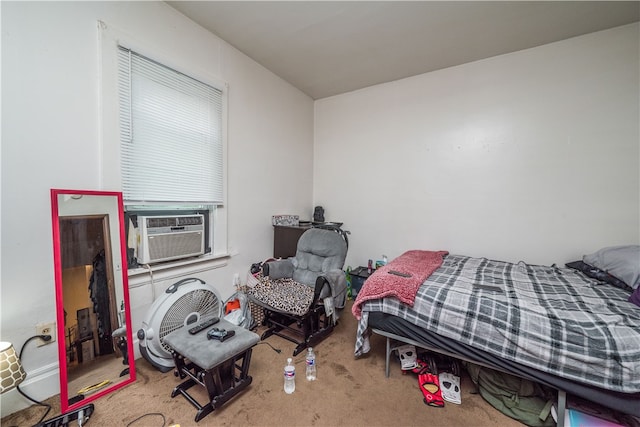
122	259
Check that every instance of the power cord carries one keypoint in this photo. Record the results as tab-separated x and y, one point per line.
153	292
44	338
164	421
277	350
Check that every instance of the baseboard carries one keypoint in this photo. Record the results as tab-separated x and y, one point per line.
40	384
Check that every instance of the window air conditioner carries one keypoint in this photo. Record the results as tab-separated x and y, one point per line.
165	238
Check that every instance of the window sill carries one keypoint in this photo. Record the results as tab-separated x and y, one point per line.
201	263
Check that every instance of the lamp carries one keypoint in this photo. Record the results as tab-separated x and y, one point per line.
11	372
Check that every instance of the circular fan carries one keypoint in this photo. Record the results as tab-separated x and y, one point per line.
183	303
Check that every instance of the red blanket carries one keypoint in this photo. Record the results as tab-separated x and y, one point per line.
385	281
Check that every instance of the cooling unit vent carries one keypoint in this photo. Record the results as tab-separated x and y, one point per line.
165	238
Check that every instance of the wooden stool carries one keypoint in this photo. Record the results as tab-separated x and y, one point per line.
222	368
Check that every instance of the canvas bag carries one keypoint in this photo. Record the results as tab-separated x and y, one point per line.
518	398
240	316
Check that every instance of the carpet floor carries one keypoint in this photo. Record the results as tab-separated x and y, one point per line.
348	392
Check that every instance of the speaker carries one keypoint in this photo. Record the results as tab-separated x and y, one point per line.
318	214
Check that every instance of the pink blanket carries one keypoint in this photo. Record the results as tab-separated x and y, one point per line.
418	265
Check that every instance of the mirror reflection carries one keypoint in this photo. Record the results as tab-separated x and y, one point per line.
92	295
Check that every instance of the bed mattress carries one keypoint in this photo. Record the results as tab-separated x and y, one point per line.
549	319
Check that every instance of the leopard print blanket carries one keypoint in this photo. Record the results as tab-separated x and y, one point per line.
285	295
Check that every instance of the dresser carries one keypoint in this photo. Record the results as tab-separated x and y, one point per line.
285	239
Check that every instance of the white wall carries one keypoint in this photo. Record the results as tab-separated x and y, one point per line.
50	139
528	156
533	155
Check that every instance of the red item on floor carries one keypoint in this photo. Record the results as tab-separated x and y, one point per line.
430	388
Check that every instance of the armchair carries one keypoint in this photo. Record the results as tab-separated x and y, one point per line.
300	296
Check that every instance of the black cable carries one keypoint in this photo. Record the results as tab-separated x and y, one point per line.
44	338
164	421
277	350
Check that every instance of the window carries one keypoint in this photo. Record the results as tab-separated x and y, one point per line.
171	141
170	134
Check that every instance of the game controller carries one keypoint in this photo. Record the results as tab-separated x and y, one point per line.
220	334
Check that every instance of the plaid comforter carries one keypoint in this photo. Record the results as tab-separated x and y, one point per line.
553	319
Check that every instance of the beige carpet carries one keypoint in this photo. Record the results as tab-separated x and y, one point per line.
348	392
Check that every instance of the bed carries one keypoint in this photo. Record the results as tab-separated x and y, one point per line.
554	325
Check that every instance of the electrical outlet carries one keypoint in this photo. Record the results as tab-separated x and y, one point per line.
46	329
236	279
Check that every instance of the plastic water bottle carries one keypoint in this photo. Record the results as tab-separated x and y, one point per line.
311	365
289	377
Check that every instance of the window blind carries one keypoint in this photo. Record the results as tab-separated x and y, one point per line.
170	134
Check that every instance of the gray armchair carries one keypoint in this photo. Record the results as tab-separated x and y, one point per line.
301	296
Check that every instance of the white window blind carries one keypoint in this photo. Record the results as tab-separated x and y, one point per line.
170	134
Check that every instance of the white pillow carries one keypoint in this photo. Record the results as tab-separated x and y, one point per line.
622	262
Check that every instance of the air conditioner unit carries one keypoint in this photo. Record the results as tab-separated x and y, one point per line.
165	238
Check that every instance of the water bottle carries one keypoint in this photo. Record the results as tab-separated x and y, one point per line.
289	377
311	365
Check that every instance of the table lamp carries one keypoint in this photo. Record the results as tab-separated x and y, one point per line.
11	372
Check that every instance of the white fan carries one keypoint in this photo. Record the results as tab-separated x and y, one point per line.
183	303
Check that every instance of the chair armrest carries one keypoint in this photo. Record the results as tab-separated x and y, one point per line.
332	283
280	269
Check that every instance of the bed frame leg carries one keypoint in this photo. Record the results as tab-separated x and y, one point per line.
562	407
388	353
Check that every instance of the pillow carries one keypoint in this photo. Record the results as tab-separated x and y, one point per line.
635	297
622	262
596	273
